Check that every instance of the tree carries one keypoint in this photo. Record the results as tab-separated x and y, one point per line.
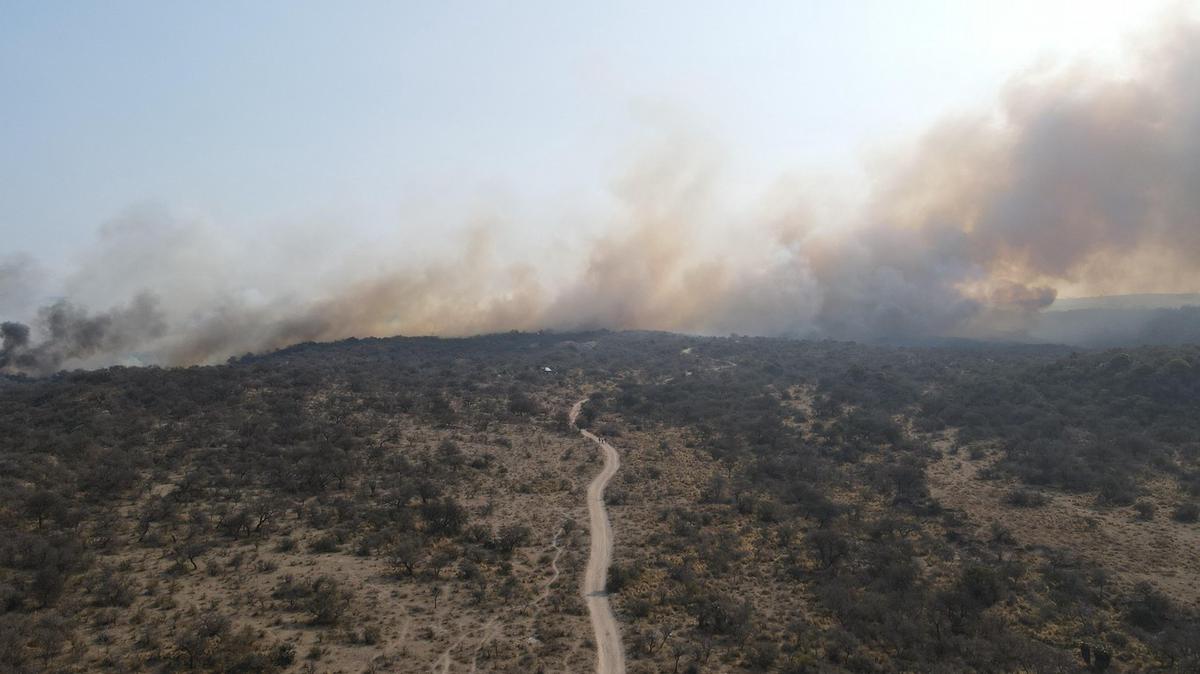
443	556
211	643
450	454
511	537
235	524
50	633
110	587
264	511
521	404
191	550
48	583
443	516
829	545
721	615
43	504
981	584
196	640
1149	609
404	555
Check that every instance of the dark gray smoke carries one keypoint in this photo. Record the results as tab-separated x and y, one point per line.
14	337
69	333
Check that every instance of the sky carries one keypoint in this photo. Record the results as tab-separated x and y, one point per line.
182	181
407	118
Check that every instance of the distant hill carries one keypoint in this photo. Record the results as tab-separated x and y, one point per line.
1123	320
1143	301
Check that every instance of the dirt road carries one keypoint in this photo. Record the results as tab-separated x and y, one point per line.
610	655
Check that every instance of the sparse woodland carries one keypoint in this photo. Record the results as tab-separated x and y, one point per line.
782	506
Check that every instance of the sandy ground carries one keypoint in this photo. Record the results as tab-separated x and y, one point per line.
610	655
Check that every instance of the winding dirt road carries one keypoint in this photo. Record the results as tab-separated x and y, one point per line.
610	656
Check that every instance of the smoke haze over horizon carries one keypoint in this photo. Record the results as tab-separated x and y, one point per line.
1075	180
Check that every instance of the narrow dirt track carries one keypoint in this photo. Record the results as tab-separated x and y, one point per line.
610	655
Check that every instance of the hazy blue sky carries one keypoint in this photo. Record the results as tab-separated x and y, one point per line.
259	115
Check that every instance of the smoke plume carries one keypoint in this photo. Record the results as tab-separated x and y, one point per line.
72	334
1075	182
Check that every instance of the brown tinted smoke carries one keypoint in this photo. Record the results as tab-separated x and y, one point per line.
1078	180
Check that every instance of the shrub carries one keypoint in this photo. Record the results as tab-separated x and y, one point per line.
1026	498
521	404
328	601
210	643
639	607
1149	609
112	588
1145	510
371	635
982	584
830	546
762	656
1117	490
511	537
1186	512
283	655
620	576
324	543
610	431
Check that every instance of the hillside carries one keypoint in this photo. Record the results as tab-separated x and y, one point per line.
418	504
